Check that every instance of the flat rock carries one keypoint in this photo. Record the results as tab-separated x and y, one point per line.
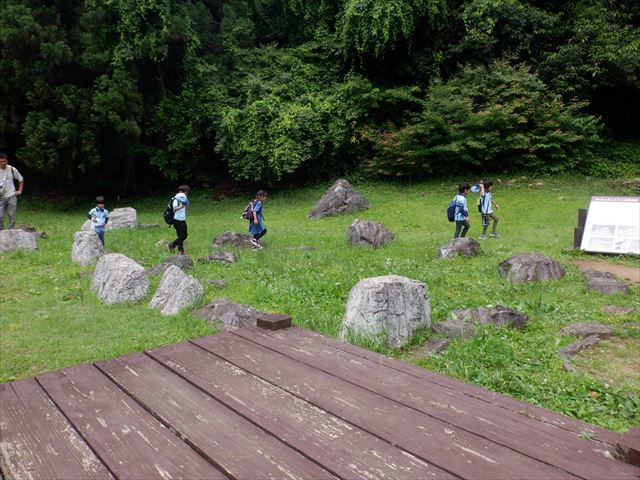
529	267
467	247
498	315
222	313
119	218
233	239
368	233
604	282
340	198
176	291
87	248
12	240
216	283
617	310
455	329
585	329
436	345
181	261
27	227
118	278
224	257
580	345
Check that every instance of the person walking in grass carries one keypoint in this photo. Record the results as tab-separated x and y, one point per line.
179	204
99	217
8	193
462	213
256	224
486	209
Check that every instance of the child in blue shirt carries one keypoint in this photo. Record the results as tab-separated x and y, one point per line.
99	217
486	209
257	227
462	214
180	203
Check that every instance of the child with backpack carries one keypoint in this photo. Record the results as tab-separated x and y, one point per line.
99	217
461	216
486	210
256	221
179	205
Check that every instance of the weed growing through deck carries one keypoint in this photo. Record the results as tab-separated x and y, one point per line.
49	319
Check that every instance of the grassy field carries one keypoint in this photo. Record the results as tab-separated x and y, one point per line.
49	319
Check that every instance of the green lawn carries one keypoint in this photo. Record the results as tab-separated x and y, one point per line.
49	319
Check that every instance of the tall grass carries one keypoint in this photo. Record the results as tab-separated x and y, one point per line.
49	319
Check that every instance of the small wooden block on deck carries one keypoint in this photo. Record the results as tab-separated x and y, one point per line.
274	321
628	448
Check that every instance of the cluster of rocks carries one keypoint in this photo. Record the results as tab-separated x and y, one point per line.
461	324
590	333
118	279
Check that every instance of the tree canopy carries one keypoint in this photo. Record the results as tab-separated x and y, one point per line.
128	93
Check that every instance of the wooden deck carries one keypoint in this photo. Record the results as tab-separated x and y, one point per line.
258	404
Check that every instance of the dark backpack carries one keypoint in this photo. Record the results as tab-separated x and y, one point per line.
451	210
168	212
247	214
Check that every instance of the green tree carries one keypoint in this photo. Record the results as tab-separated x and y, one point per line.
492	118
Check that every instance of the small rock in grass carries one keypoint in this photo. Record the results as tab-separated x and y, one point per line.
585	329
436	345
616	310
460	246
455	329
221	284
580	345
604	282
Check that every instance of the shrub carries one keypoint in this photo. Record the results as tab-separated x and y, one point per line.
498	118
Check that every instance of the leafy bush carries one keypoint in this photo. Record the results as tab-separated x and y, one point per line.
496	118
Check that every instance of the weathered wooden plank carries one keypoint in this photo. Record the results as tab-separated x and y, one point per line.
437	442
132	443
344	450
539	413
236	446
530	437
37	442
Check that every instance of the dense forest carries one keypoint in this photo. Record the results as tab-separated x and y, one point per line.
129	94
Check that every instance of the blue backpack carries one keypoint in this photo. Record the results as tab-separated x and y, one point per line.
451	210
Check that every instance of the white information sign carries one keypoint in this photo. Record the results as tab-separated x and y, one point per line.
613	225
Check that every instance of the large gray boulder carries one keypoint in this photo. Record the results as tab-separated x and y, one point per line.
118	279
183	262
176	291
467	247
389	307
119	218
87	248
340	198
12	240
231	239
224	314
366	232
528	267
604	282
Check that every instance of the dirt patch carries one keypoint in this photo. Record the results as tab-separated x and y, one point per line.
631	274
614	361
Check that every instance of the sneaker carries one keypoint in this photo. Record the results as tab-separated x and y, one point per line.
257	246
254	242
482	237
171	248
494	235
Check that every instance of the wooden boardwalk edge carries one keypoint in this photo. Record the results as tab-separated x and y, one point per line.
509	403
288	403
